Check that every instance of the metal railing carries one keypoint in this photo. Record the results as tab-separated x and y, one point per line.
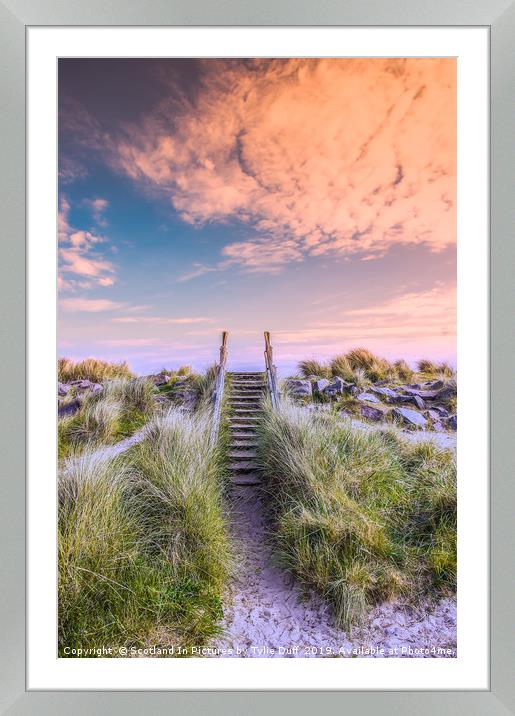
219	390
271	372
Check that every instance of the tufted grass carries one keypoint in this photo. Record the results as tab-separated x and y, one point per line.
143	548
362	517
92	369
310	366
123	407
361	366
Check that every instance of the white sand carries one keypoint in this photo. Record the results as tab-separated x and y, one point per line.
265	614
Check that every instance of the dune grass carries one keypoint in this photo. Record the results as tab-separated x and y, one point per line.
204	385
310	366
361	517
143	547
92	369
360	366
403	371
123	407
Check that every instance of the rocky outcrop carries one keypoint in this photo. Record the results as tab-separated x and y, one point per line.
426	405
338	387
371	413
63	389
320	384
385	393
411	418
299	388
70	396
367	398
159	379
452	422
69	408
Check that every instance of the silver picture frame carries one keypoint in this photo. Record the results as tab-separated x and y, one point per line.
15	17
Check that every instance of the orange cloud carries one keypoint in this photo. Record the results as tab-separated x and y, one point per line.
79	267
320	157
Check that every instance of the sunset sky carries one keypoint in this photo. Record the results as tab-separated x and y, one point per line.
312	198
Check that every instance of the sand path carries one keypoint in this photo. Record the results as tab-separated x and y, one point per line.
267	615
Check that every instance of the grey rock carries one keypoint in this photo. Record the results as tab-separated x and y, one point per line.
433	385
384	392
419	402
63	389
452	422
414	399
320	385
160	379
410	417
427	394
446	393
339	383
371	413
299	388
337	387
368	397
433	414
83	384
70	408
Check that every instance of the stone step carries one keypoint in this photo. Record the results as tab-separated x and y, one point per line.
247	380
245	373
247	435
244	421
249	478
243	426
244	443
242	453
246	395
245	408
243	465
251	403
248	383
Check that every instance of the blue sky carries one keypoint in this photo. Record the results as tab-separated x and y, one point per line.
314	199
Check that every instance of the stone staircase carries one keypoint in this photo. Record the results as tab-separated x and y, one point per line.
245	393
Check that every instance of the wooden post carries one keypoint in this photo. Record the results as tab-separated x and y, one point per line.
271	371
223	349
219	390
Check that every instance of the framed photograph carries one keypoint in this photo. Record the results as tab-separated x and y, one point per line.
258	294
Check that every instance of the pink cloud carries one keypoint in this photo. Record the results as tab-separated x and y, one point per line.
89	305
162	320
320	157
198	270
423	321
79	265
98	207
71	170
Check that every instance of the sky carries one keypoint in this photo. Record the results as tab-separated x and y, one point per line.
314	198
